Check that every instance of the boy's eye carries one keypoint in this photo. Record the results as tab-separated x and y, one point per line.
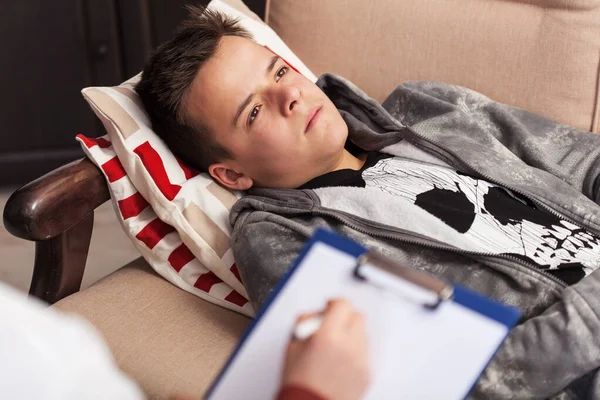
281	72
253	114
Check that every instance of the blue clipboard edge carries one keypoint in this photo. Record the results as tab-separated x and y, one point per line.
506	315
503	314
320	235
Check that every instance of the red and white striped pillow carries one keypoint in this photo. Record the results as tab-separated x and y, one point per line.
176	217
190	266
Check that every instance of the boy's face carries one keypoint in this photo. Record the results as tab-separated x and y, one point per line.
281	129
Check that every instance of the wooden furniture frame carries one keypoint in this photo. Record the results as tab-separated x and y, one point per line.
56	211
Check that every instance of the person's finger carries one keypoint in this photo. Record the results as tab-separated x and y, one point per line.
293	347
180	396
307	325
304	317
352	324
358	320
336	302
336	315
358	326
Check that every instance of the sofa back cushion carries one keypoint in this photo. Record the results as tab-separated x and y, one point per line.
539	55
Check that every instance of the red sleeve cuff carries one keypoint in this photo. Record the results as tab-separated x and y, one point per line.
294	392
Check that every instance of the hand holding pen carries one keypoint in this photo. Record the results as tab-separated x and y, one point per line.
328	353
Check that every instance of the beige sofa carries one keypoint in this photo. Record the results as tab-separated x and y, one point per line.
541	55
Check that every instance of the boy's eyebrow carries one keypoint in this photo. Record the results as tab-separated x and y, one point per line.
245	103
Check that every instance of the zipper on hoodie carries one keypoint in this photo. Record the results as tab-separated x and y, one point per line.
349	221
443	153
439	152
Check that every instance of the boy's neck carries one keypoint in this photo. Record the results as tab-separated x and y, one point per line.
349	161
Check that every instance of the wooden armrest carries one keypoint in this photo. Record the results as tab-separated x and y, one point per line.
57	201
57	212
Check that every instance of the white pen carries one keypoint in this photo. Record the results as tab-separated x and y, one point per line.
306	328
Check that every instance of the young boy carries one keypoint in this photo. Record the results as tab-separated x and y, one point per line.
438	177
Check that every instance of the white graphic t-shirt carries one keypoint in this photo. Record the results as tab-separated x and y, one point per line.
496	219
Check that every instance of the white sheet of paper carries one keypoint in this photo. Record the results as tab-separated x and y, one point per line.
415	353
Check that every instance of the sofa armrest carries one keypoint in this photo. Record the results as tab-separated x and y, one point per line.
57	212
55	202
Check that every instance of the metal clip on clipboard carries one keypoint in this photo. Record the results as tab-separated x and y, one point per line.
377	270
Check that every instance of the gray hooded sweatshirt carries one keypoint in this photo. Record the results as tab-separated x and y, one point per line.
555	349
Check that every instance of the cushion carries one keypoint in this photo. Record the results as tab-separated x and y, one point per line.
542	56
176	217
164	338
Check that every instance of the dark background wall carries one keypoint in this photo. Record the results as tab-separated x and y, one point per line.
51	50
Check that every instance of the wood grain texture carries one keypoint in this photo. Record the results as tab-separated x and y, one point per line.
57	212
60	262
50	205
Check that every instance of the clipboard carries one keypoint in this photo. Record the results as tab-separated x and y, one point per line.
428	338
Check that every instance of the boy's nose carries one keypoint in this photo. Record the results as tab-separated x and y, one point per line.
290	99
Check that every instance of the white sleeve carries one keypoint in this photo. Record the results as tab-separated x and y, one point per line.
45	354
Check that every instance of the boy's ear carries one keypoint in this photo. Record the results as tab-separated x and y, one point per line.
230	178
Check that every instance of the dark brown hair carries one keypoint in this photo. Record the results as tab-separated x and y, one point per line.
167	78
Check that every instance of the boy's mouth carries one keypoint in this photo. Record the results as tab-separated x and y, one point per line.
312	118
